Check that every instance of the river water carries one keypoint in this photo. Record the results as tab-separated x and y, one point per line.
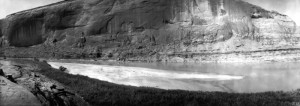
225	77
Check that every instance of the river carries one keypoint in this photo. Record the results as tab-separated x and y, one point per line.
225	77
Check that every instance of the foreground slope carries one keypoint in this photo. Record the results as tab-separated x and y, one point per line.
156	30
29	88
12	94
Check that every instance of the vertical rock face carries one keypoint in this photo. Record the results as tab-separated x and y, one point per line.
1	29
26	33
187	25
35	26
1	35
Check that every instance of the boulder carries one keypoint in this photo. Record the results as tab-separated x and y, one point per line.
61	68
16	95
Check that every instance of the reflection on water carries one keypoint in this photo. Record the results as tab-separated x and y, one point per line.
227	77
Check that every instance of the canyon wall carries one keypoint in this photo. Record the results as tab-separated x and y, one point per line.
1	35
1	28
145	28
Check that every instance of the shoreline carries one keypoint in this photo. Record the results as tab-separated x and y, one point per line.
174	61
142	76
93	91
256	56
108	72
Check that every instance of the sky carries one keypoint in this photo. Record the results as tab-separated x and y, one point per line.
288	7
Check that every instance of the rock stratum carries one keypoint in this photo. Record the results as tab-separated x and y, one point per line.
151	30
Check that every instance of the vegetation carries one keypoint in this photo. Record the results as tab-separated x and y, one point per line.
98	92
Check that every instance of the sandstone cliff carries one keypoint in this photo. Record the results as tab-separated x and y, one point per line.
141	29
1	33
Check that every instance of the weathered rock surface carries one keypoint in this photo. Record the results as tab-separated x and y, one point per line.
33	89
1	28
12	94
1	35
126	29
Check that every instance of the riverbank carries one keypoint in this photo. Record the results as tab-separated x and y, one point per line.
30	88
98	92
